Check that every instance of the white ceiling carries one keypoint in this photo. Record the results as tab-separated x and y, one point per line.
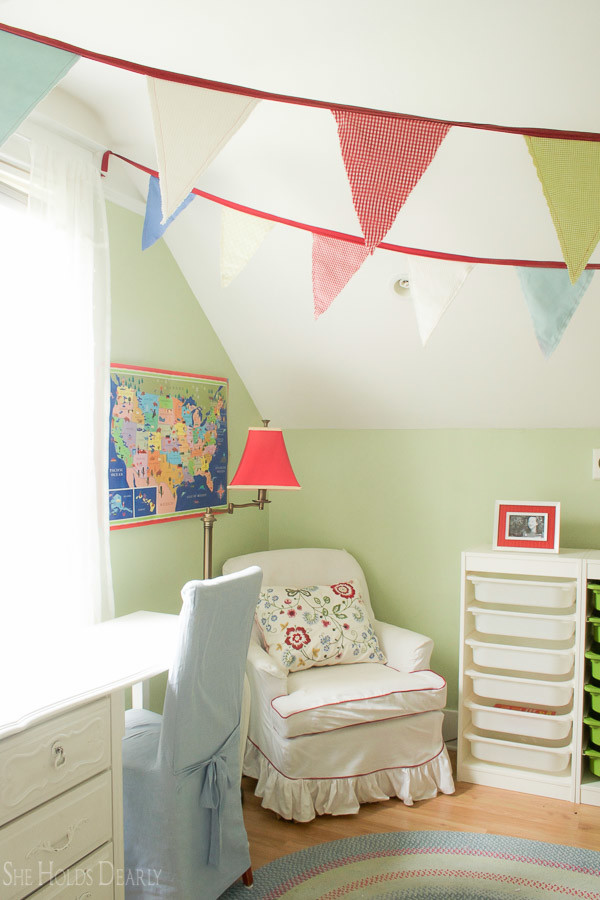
362	362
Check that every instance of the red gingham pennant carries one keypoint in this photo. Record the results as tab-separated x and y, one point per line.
384	157
334	263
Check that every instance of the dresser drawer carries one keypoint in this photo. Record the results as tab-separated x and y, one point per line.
44	842
89	879
49	758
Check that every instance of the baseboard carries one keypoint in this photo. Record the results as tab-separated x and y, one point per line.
450	727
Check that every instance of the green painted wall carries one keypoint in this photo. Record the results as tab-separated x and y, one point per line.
406	503
157	322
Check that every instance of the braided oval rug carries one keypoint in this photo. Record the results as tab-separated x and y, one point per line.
428	865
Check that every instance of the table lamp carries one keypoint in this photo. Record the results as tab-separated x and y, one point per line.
264	466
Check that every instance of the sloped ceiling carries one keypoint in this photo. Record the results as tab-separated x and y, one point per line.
362	364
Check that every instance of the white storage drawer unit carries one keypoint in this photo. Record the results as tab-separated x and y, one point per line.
521	622
56	806
522	671
510	590
541	724
494	748
522	655
49	839
61	726
49	758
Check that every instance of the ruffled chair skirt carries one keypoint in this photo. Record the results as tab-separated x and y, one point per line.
377	773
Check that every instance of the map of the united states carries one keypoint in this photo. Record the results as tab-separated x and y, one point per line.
167	446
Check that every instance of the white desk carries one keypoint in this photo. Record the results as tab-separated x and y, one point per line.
61	725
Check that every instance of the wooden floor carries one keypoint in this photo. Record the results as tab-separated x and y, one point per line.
472	808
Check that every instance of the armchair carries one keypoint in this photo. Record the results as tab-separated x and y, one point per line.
328	738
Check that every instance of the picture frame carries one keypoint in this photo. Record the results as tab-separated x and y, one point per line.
527	526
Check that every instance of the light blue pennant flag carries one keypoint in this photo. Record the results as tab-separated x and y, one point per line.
28	70
552	300
153	228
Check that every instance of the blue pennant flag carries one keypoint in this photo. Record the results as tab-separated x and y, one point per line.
153	228
552	300
28	70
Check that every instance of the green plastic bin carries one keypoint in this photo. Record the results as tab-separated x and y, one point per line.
594	692
593	756
594	658
594	725
594	623
595	589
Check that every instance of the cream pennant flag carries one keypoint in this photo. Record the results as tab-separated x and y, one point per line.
569	172
434	283
241	236
384	156
334	262
552	301
191	126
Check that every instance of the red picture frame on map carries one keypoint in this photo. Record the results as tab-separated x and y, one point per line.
527	526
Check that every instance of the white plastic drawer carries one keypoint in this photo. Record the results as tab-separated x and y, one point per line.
48	840
523	624
517	656
551	692
91	878
545	725
520	755
556	593
47	759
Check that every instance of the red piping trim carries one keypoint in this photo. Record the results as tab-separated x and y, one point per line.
358	699
115	365
342	777
350	238
355	724
180	78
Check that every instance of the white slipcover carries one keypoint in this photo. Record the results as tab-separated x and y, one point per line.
329	738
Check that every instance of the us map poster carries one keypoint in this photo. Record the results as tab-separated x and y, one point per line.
167	445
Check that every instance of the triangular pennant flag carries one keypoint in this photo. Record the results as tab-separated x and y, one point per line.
570	175
434	283
334	262
384	157
153	228
241	236
191	126
552	300
28	70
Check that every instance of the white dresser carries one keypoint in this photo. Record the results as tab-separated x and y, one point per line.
61	725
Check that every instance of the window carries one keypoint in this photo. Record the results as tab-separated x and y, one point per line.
54	370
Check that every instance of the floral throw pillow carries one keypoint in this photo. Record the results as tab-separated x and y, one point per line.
316	626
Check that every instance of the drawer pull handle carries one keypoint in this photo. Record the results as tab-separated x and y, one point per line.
58	847
58	752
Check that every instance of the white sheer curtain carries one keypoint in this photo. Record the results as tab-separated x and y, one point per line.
55	357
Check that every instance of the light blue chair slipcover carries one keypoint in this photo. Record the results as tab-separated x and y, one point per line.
184	831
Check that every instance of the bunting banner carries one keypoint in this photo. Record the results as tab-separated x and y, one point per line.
434	284
28	70
191	127
241	236
552	299
569	172
384	158
334	262
153	227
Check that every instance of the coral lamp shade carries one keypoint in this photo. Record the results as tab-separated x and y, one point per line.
265	463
